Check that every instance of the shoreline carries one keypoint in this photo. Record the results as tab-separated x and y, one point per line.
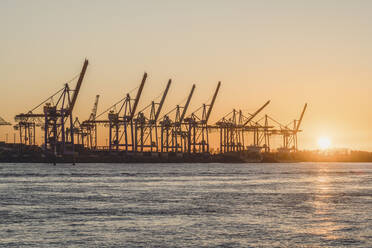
122	157
15	153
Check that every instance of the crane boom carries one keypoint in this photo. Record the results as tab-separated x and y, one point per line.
187	103
94	110
4	122
139	92
256	113
162	100
300	120
78	85
212	102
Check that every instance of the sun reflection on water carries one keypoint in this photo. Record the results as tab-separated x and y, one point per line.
326	225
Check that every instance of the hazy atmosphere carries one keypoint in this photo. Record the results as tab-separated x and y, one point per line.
220	123
289	52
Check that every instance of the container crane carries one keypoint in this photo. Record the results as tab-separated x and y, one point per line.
289	134
123	119
233	127
88	129
198	127
54	117
173	138
146	133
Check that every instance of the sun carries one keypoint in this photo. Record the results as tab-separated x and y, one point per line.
324	143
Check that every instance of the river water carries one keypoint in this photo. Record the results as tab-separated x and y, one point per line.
186	205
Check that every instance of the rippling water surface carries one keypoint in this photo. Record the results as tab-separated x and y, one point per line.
186	205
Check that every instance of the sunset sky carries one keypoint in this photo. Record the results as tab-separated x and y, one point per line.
289	52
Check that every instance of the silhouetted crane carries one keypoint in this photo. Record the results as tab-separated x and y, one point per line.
198	126
146	129
53	119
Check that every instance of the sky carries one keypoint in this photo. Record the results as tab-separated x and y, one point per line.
289	52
